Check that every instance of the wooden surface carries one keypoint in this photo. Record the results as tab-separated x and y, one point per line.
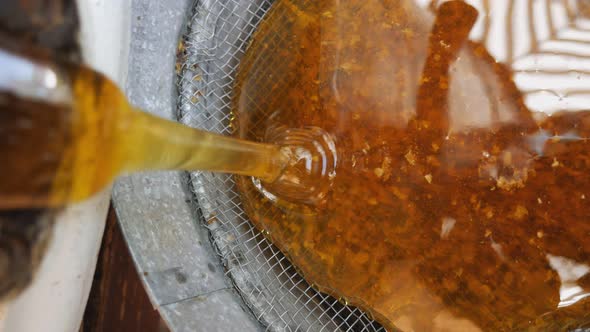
118	301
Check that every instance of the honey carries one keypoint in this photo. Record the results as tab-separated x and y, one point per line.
451	206
67	131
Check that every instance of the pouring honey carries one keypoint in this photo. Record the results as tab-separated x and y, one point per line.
67	131
452	207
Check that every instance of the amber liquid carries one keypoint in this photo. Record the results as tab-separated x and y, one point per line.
451	208
67	131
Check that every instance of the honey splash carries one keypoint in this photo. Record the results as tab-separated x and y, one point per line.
451	206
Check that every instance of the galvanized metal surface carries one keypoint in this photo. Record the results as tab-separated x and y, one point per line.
183	276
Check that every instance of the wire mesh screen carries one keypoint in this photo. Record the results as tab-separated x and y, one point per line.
209	55
216	38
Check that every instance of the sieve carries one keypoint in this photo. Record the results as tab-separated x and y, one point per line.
216	38
248	278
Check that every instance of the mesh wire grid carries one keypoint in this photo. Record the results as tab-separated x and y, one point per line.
217	35
216	38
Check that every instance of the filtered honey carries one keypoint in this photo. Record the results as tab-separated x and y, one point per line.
451	206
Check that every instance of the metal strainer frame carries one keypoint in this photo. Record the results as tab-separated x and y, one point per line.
217	36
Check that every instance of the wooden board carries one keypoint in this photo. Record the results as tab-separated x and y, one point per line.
118	301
